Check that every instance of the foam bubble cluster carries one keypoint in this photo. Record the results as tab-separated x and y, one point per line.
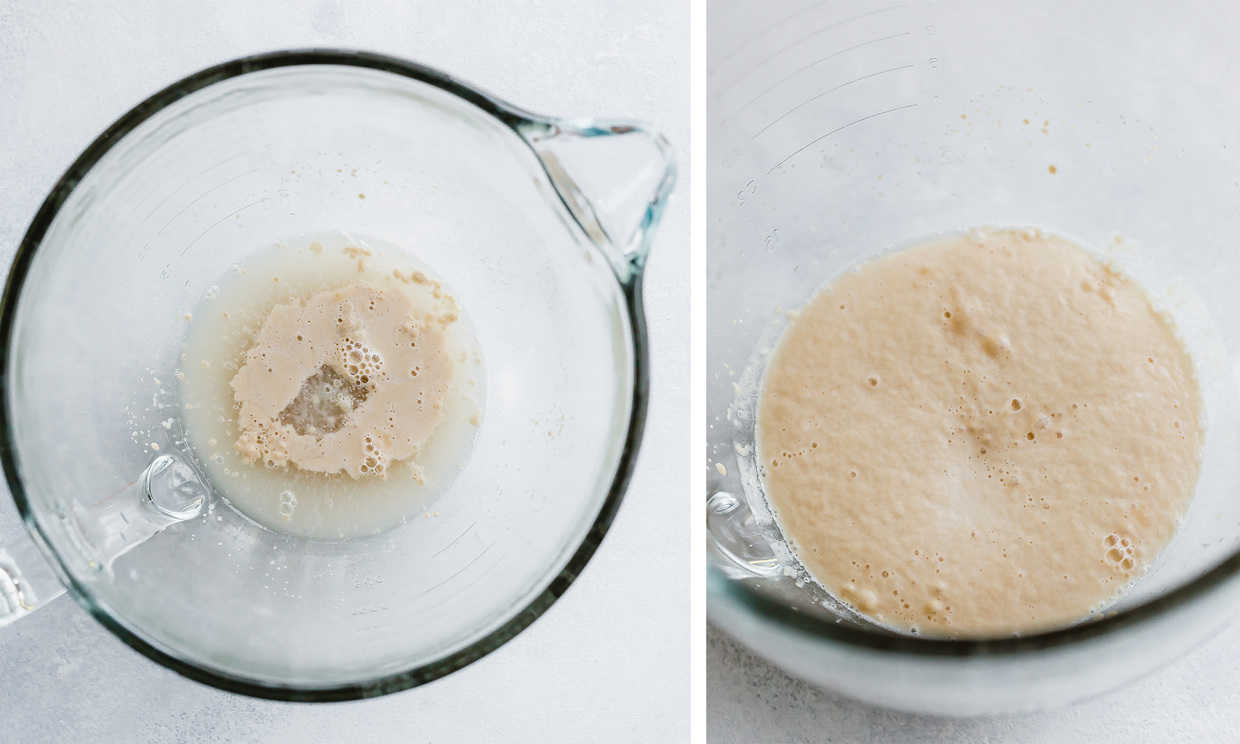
1119	552
361	364
267	442
374	462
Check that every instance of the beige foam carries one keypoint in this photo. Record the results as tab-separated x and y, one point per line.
346	381
987	434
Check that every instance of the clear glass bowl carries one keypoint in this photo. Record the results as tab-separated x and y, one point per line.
540	226
840	134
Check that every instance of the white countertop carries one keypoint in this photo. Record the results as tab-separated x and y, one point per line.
1196	698
609	662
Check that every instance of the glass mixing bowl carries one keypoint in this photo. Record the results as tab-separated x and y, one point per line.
837	134
539	225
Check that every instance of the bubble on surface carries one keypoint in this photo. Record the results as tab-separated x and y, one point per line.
1120	552
288	504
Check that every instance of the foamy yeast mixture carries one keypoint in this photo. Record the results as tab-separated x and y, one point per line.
331	387
987	434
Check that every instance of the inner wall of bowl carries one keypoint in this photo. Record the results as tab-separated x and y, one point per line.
232	169
932	126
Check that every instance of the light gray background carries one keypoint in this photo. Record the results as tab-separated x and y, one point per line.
1195	699
609	662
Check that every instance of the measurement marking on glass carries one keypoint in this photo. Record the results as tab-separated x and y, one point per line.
811	99
455	540
463	590
727	57
221	220
187	182
815	63
185	208
760	63
820	138
462	570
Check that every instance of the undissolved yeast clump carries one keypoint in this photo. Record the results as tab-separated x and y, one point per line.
988	434
347	380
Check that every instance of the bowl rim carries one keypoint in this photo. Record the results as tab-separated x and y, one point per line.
631	289
721	588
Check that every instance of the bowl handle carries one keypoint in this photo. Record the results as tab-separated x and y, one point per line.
740	546
614	177
27	580
169	491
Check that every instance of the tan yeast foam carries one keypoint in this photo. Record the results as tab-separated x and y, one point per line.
987	434
332	386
